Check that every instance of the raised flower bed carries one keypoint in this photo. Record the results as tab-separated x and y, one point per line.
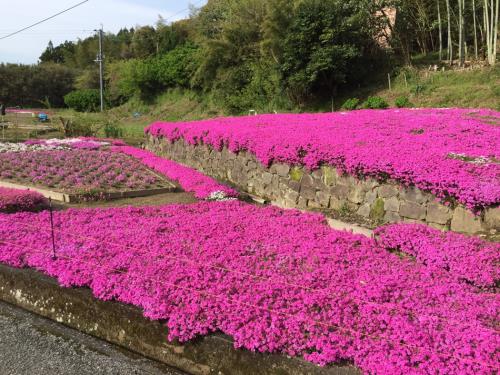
274	280
80	173
202	186
435	166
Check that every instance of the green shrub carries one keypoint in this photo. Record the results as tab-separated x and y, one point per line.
79	126
375	102
403	102
87	100
112	130
350	104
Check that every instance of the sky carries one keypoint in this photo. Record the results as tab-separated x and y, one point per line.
80	22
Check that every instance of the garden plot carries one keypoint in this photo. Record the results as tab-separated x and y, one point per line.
280	282
80	174
451	153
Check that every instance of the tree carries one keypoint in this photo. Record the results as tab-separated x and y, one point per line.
144	42
328	44
450	41
461	33
440	32
491	9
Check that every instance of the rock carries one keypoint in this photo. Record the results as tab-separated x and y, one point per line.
282	169
492	218
313	204
370	196
317	174
346	180
302	203
414	195
308	193
392	204
412	210
356	194
464	221
307	181
336	203
438	226
267	178
364	210
387	191
340	191
294	185
323	199
392	217
291	198
438	213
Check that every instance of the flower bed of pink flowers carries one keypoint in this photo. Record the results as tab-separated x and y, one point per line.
202	186
78	171
274	280
453	153
466	258
15	200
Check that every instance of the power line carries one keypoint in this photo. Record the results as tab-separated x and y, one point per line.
44	20
183	10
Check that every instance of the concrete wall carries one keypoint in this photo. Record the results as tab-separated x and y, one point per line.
295	187
125	326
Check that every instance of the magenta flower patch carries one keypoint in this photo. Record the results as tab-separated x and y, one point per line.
202	186
15	200
453	153
77	171
467	258
276	281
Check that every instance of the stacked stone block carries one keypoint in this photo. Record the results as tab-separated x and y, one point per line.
325	188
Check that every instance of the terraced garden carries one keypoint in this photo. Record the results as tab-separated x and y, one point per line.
412	299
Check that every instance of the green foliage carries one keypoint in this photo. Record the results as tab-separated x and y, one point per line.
87	100
350	104
328	44
403	102
377	211
30	85
149	77
112	130
79	126
375	102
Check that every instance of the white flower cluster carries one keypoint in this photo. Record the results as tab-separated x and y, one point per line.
70	141
219	196
21	147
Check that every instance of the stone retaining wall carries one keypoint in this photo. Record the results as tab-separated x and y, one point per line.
296	187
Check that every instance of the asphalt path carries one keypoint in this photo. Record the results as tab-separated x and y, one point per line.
33	345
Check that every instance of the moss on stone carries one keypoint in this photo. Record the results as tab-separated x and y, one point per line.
377	211
296	174
329	176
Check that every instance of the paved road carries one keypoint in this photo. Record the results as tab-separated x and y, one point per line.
32	345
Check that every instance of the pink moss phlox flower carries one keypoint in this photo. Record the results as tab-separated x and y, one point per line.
16	200
191	180
77	169
466	258
453	153
275	281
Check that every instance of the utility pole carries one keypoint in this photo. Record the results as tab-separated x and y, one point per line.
100	60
